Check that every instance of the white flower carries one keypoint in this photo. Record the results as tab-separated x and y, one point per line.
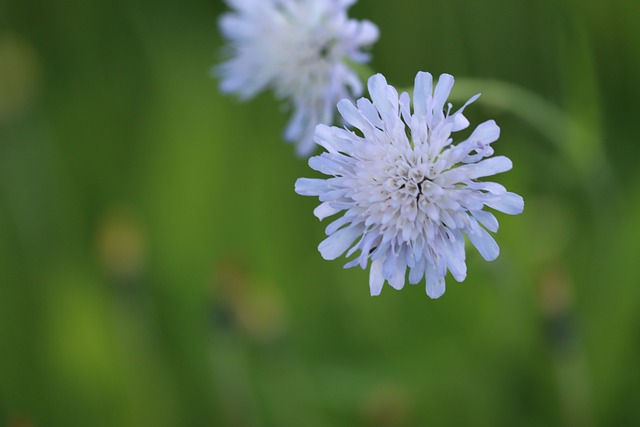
409	195
300	50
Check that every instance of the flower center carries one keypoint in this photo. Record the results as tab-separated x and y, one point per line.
409	182
398	193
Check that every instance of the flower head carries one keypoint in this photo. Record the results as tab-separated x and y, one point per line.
409	194
299	49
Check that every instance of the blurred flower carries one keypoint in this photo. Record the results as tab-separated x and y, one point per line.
20	420
121	245
388	404
19	77
255	305
301	50
409	194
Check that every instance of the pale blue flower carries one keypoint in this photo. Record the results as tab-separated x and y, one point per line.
300	49
408	193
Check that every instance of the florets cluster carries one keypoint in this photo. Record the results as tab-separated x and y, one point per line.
408	193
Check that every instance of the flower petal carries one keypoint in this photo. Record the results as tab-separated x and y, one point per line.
487	219
336	244
509	203
459	120
486	132
483	241
311	186
385	99
353	115
442	91
421	93
324	210
376	277
435	284
470	171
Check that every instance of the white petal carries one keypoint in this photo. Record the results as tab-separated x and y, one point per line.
435	289
459	120
442	91
335	225
490	166
466	172
486	132
422	92
487	219
370	113
405	107
311	186
397	281
336	194
455	259
352	115
389	266
328	164
376	278
324	210
323	136
435	284
335	245
483	241
417	272
491	187
509	203
352	263
385	98
368	242
377	86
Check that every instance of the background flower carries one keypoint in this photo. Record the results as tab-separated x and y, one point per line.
300	49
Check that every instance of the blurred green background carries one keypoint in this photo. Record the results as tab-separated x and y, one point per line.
157	268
